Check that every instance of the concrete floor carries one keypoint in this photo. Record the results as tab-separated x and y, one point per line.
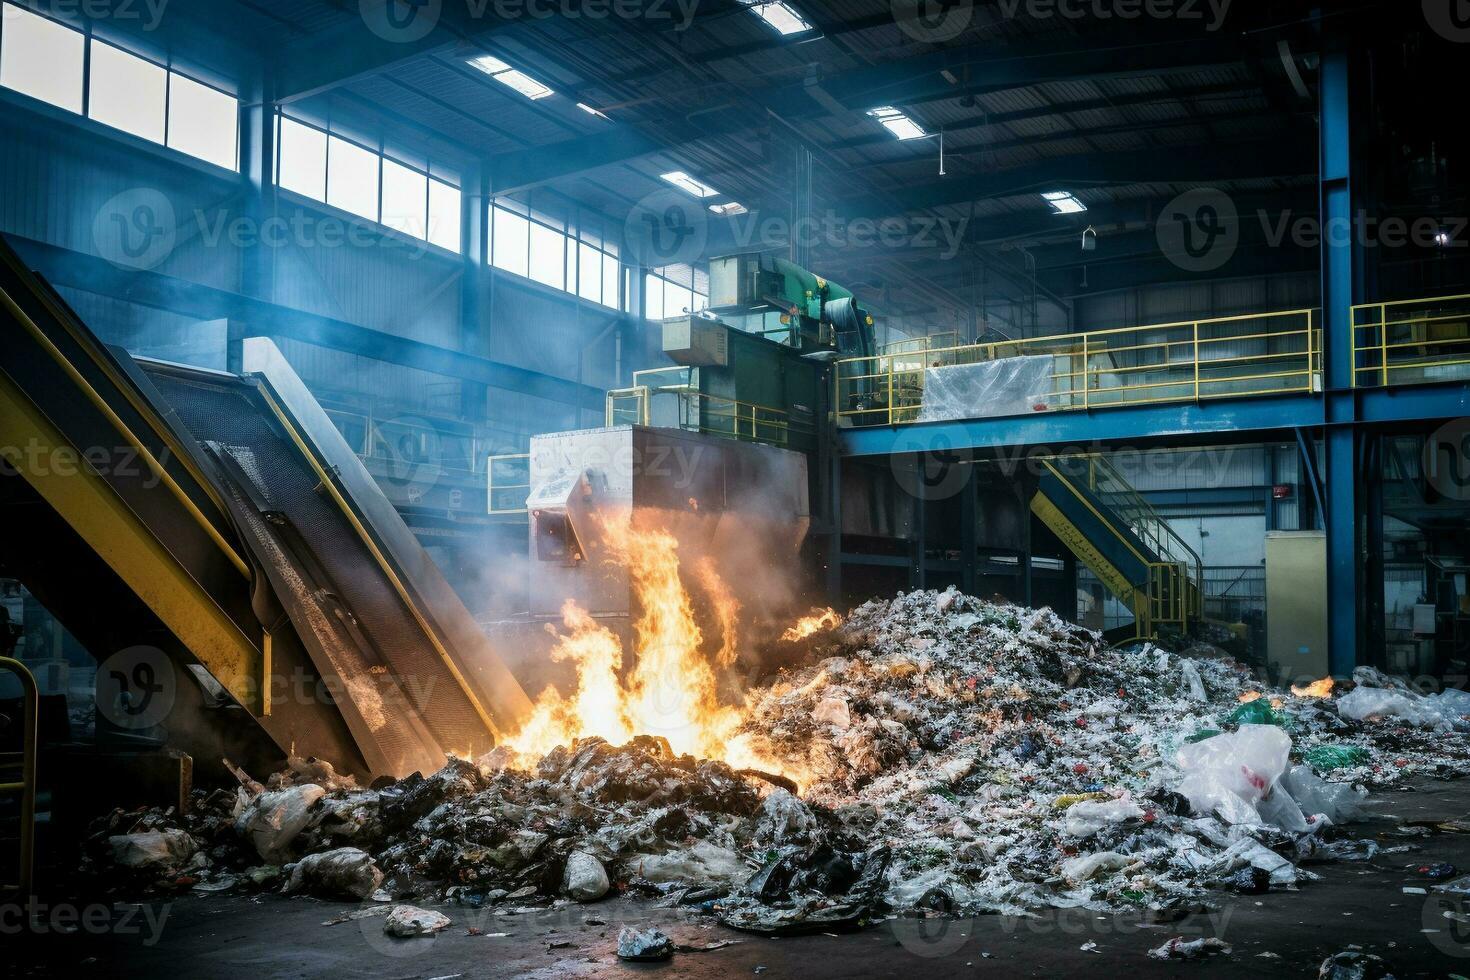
269	937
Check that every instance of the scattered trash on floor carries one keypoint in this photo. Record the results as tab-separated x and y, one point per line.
642	945
407	921
1195	949
953	755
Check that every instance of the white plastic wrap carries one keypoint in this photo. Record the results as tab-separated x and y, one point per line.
1362	703
1088	817
1008	386
1229	774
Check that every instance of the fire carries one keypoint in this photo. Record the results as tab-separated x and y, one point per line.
807	625
1317	689
671	688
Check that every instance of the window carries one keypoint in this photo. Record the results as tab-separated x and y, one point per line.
41	58
445	214
548	255
405	193
352	178
542	248
52	62
667	295
203	122
302	159
127	92
511	246
365	182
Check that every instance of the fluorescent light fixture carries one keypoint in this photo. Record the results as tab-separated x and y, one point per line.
1064	202
591	111
512	77
779	15
897	123
685	182
728	209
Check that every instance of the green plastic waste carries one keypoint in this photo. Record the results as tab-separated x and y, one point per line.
1257	712
1327	757
1203	734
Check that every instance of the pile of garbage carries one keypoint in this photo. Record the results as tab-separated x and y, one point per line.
958	755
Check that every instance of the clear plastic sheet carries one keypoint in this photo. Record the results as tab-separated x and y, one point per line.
1009	386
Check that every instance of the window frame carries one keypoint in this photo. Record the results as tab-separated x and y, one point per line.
381	155
89	38
574	241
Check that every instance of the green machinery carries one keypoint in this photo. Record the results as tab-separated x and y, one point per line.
754	367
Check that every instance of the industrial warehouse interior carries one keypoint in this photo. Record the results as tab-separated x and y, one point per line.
854	488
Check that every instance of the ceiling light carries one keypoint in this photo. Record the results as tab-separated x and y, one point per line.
512	77
779	15
729	209
1064	202
591	111
685	182
897	123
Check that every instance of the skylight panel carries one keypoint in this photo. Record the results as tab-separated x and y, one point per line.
897	123
511	77
1064	202
685	182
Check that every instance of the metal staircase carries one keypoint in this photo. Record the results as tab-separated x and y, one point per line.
1127	544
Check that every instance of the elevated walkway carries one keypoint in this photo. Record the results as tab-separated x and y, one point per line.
1255	376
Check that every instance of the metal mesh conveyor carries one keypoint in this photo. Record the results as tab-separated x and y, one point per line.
390	680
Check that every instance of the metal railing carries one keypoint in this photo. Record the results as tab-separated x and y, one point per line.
1165	597
680	405
942	340
1411	341
25	761
507	496
1193	360
451	444
1151	527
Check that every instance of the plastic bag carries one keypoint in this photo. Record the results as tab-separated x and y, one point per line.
1257	712
1325	758
1229	774
1089	816
272	820
1338	802
1192	681
1082	868
347	872
1363	703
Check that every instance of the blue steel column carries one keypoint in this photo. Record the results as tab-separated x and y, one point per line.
1341	275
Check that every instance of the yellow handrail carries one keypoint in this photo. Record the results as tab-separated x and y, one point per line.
1383	334
1278	353
27	785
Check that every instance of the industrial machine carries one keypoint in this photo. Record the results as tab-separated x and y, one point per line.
744	502
215	532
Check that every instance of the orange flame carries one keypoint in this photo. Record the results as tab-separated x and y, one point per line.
1317	689
807	625
671	688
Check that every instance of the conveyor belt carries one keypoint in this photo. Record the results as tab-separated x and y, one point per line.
256	532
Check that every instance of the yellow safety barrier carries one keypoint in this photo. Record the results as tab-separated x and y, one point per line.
1415	341
496	492
695	411
25	761
1193	360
